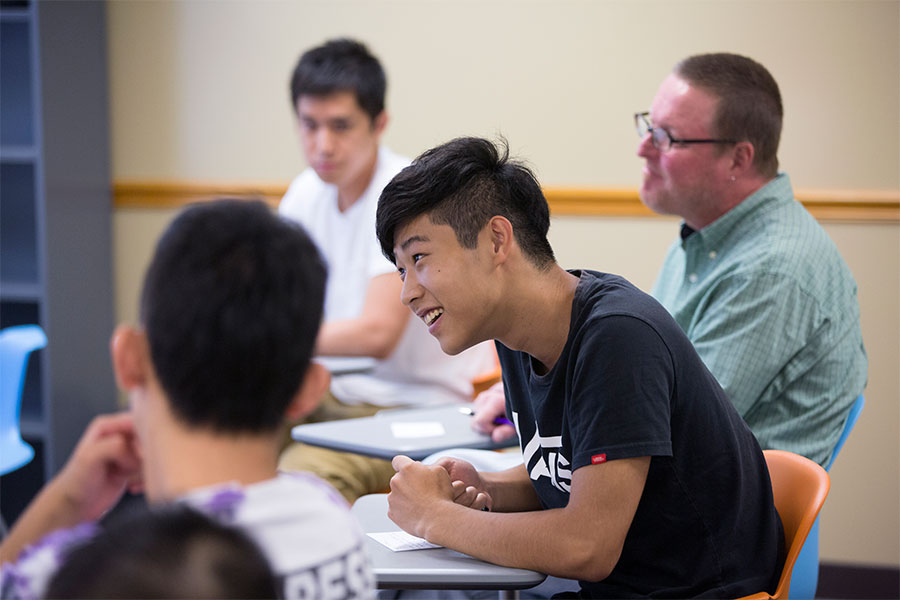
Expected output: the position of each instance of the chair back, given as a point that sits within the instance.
(488, 378)
(800, 487)
(855, 411)
(16, 344)
(806, 569)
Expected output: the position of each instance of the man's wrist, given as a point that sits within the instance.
(437, 520)
(492, 487)
(66, 507)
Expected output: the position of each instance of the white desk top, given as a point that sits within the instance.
(339, 365)
(416, 432)
(439, 568)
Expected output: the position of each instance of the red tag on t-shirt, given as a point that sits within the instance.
(598, 458)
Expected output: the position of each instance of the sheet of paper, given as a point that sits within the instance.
(421, 429)
(400, 541)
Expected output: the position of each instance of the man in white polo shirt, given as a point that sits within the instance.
(379, 356)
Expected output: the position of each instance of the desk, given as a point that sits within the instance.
(342, 365)
(439, 568)
(375, 436)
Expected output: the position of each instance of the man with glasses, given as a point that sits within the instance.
(754, 281)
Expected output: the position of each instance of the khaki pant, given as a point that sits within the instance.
(353, 475)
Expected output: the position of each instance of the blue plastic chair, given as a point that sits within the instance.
(16, 344)
(805, 578)
(855, 410)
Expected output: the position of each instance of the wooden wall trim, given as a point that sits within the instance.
(174, 194)
(825, 205)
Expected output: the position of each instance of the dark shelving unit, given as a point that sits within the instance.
(55, 223)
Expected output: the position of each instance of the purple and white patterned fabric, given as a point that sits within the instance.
(301, 523)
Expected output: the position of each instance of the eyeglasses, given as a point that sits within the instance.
(661, 139)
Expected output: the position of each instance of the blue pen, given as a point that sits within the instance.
(498, 421)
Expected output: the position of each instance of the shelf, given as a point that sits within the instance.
(17, 91)
(32, 428)
(55, 261)
(20, 291)
(18, 153)
(18, 223)
(14, 15)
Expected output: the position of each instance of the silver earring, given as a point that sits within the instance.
(732, 179)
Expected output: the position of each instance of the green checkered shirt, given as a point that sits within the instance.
(771, 308)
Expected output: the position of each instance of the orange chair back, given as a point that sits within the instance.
(800, 487)
(485, 380)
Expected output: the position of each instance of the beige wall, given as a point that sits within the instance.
(199, 92)
(199, 88)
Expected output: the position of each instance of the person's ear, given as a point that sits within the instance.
(500, 231)
(742, 158)
(130, 355)
(312, 388)
(379, 123)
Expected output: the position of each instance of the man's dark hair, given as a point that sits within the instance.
(172, 552)
(750, 106)
(463, 184)
(232, 303)
(341, 65)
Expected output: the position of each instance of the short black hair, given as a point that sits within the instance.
(341, 65)
(232, 303)
(170, 552)
(464, 183)
(749, 108)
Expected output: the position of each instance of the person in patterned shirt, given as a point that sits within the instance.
(754, 281)
(231, 305)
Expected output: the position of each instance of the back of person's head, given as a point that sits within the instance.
(341, 65)
(173, 552)
(464, 183)
(231, 305)
(750, 106)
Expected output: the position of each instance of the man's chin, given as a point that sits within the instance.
(327, 175)
(451, 349)
(650, 198)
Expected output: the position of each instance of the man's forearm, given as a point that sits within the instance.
(49, 511)
(376, 330)
(545, 540)
(582, 540)
(355, 337)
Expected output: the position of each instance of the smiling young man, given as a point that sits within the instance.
(338, 93)
(754, 281)
(639, 478)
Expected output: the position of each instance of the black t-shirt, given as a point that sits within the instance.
(627, 384)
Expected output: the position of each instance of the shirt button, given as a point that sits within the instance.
(692, 278)
(712, 254)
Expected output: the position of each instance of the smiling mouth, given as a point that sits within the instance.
(432, 315)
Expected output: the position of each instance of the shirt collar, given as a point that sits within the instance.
(777, 189)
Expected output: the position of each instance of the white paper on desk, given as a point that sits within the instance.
(421, 429)
(400, 541)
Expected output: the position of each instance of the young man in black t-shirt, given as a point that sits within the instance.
(639, 478)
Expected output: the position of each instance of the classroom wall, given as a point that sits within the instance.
(199, 93)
